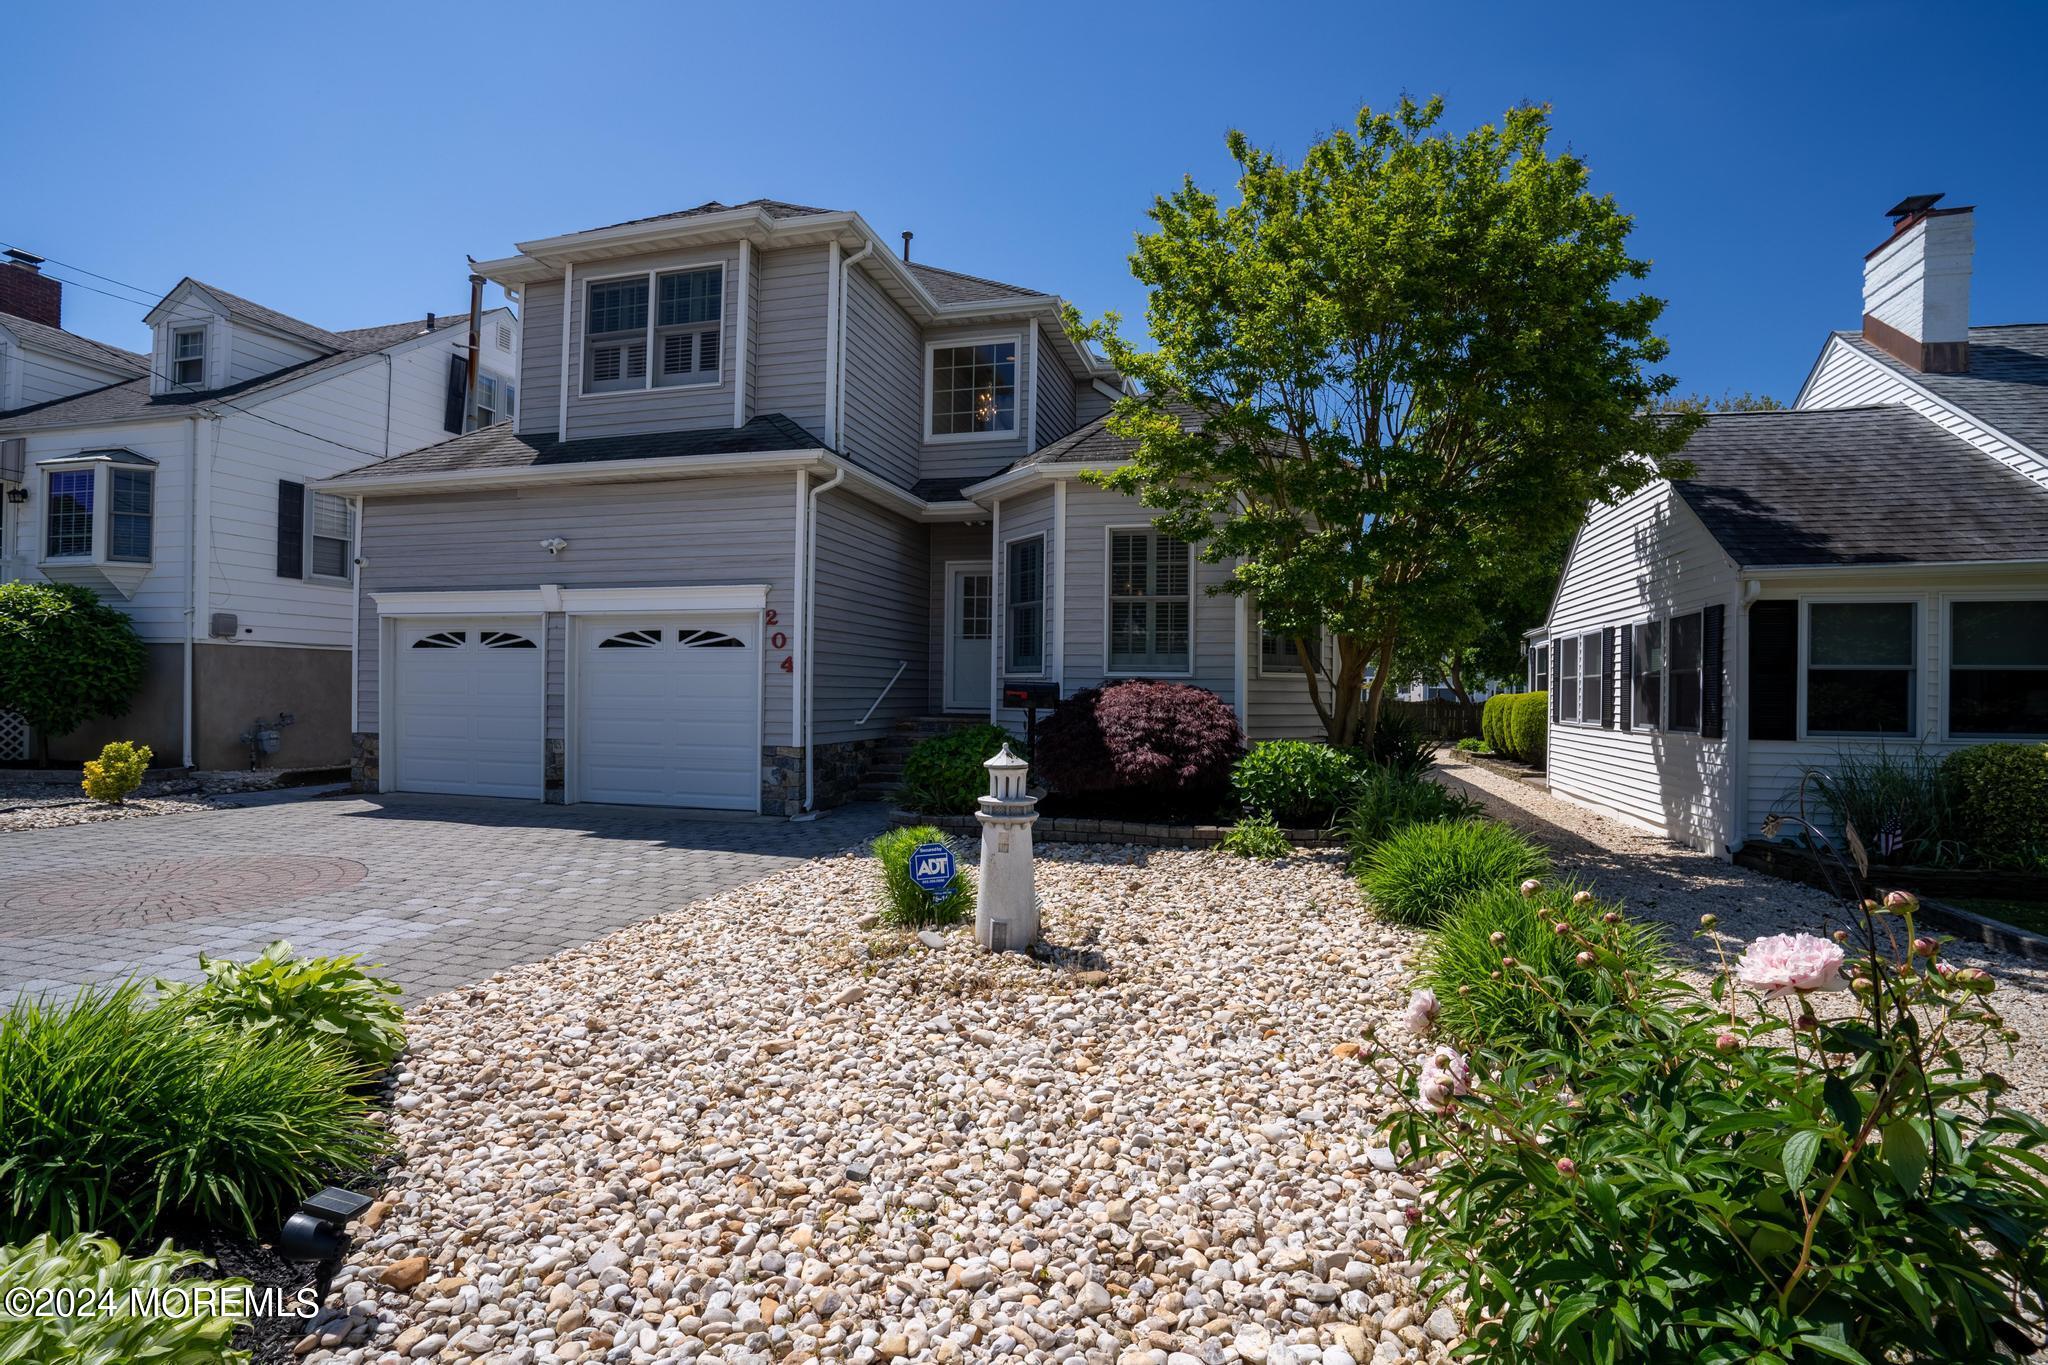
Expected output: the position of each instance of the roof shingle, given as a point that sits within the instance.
(46, 337)
(2006, 385)
(499, 447)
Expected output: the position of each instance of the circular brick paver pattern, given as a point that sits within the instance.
(166, 890)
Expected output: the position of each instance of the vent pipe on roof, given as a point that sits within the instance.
(430, 322)
(907, 235)
(1916, 287)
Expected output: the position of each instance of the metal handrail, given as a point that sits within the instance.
(884, 692)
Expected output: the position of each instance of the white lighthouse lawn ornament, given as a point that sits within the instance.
(1006, 913)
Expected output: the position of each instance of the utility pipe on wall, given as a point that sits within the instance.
(476, 323)
(810, 591)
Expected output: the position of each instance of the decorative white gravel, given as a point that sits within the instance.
(754, 1130)
(39, 803)
(1674, 885)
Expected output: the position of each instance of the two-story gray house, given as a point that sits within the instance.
(771, 489)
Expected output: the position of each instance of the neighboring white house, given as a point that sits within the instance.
(1870, 567)
(174, 485)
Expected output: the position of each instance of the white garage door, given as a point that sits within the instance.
(468, 704)
(668, 711)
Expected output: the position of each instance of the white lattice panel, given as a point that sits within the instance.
(13, 737)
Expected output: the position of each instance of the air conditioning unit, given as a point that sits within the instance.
(225, 625)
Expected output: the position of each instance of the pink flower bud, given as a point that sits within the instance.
(1841, 935)
(1585, 959)
(1808, 1023)
(1900, 900)
(1709, 921)
(1610, 918)
(1508, 962)
(1975, 980)
(1727, 1042)
(1561, 928)
(1924, 947)
(1944, 970)
(1582, 898)
(1567, 1168)
(1497, 938)
(1531, 887)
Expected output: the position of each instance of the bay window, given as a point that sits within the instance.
(68, 528)
(1859, 668)
(1151, 602)
(971, 390)
(100, 510)
(1998, 669)
(1024, 606)
(131, 514)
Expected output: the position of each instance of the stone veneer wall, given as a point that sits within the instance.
(837, 770)
(362, 764)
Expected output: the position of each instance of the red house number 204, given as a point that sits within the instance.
(780, 641)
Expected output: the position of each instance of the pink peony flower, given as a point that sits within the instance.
(1566, 1167)
(1727, 1042)
(1420, 1016)
(1791, 962)
(1531, 887)
(1445, 1075)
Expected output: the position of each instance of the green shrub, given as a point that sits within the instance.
(117, 772)
(138, 1120)
(1461, 963)
(1471, 746)
(1696, 1181)
(1399, 742)
(1493, 716)
(943, 775)
(1871, 789)
(1388, 801)
(328, 999)
(1298, 782)
(1999, 802)
(65, 656)
(1419, 874)
(89, 1274)
(1528, 724)
(1257, 836)
(904, 902)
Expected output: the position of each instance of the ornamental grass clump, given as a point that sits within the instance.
(75, 1300)
(1385, 801)
(1732, 1175)
(1421, 873)
(140, 1120)
(1483, 1005)
(908, 905)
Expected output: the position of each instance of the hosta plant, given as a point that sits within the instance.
(80, 1301)
(329, 999)
(1752, 1174)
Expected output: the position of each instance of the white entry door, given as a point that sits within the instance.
(970, 635)
(668, 711)
(466, 707)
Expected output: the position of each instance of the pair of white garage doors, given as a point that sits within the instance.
(658, 709)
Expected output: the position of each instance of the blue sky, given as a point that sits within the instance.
(336, 162)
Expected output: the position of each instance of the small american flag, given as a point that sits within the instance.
(1890, 838)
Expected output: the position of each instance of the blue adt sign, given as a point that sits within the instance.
(931, 867)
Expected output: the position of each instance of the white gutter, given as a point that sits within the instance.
(193, 577)
(810, 590)
(838, 438)
(999, 585)
(1002, 485)
(739, 336)
(833, 280)
(562, 411)
(355, 630)
(797, 523)
(583, 471)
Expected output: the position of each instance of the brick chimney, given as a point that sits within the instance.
(27, 292)
(1916, 287)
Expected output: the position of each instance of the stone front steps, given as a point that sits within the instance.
(885, 774)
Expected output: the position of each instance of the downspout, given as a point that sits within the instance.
(355, 628)
(192, 579)
(839, 388)
(568, 294)
(1735, 664)
(810, 590)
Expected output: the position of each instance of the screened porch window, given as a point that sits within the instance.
(1151, 603)
(1024, 606)
(1998, 669)
(1859, 668)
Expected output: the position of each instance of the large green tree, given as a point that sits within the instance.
(1382, 377)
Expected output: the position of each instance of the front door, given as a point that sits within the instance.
(970, 634)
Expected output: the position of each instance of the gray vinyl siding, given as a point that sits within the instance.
(1648, 556)
(872, 566)
(1091, 511)
(976, 459)
(951, 542)
(789, 335)
(1279, 705)
(1054, 394)
(753, 335)
(540, 357)
(680, 407)
(884, 401)
(1089, 403)
(1023, 517)
(696, 532)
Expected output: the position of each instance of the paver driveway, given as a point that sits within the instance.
(442, 890)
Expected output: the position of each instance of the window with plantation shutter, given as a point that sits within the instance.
(1024, 606)
(690, 305)
(1151, 603)
(615, 335)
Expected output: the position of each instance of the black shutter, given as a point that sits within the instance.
(458, 390)
(1556, 692)
(1607, 677)
(1774, 669)
(1628, 677)
(1713, 687)
(291, 529)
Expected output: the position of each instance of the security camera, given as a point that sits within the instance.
(554, 545)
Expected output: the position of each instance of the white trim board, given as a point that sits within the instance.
(722, 597)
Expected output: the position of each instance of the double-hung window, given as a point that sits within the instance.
(332, 526)
(1860, 678)
(1151, 602)
(486, 401)
(68, 525)
(131, 514)
(1646, 670)
(188, 357)
(101, 510)
(689, 306)
(971, 390)
(1024, 606)
(1539, 675)
(1568, 678)
(615, 335)
(1282, 653)
(1683, 665)
(1998, 669)
(1592, 678)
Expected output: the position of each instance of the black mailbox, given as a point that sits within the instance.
(1026, 695)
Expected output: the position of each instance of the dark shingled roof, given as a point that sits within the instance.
(774, 208)
(239, 307)
(499, 447)
(49, 338)
(2006, 386)
(1877, 485)
(950, 286)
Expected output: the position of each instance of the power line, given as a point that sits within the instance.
(152, 296)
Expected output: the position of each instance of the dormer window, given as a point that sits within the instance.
(971, 390)
(188, 357)
(629, 346)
